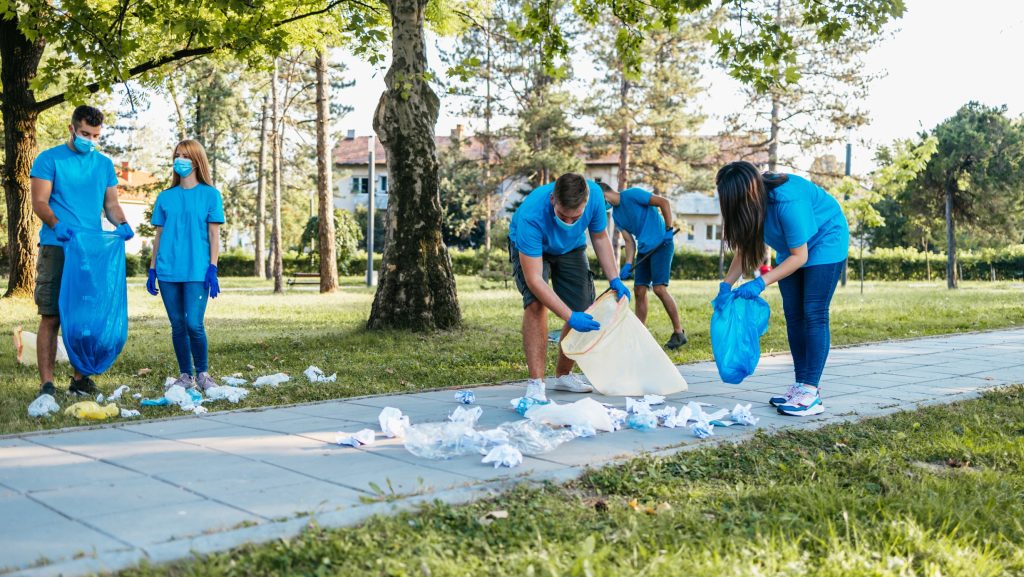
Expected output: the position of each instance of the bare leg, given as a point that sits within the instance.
(641, 303)
(46, 346)
(535, 338)
(670, 306)
(565, 364)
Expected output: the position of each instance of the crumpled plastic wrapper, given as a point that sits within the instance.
(466, 417)
(233, 381)
(465, 397)
(226, 392)
(702, 429)
(583, 412)
(92, 410)
(116, 395)
(271, 380)
(315, 375)
(643, 421)
(583, 430)
(43, 406)
(392, 422)
(618, 417)
(653, 400)
(524, 404)
(741, 414)
(679, 419)
(130, 414)
(187, 399)
(357, 439)
(504, 456)
(534, 438)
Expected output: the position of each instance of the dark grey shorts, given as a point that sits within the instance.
(49, 270)
(569, 274)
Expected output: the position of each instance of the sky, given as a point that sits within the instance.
(942, 54)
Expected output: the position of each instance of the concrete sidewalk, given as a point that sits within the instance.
(106, 498)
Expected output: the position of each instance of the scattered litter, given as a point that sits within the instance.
(702, 429)
(130, 414)
(445, 440)
(524, 404)
(740, 415)
(583, 412)
(137, 396)
(504, 456)
(25, 345)
(357, 439)
(584, 430)
(233, 381)
(43, 406)
(467, 417)
(315, 375)
(100, 398)
(642, 421)
(187, 399)
(679, 419)
(618, 417)
(533, 438)
(226, 392)
(92, 410)
(492, 516)
(161, 402)
(250, 367)
(465, 397)
(271, 380)
(653, 400)
(637, 406)
(116, 395)
(169, 381)
(392, 422)
(143, 372)
(664, 414)
(200, 410)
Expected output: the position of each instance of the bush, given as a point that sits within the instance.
(132, 266)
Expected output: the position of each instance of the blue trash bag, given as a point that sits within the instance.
(736, 328)
(93, 300)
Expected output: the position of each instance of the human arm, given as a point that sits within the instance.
(112, 207)
(533, 274)
(213, 228)
(627, 268)
(665, 206)
(603, 248)
(151, 273)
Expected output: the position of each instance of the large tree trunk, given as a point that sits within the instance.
(261, 203)
(417, 288)
(325, 219)
(277, 141)
(625, 137)
(951, 280)
(20, 58)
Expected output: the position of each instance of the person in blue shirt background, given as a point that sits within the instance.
(187, 218)
(809, 233)
(645, 220)
(547, 240)
(73, 186)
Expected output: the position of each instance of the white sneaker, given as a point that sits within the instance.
(535, 390)
(805, 403)
(793, 390)
(571, 383)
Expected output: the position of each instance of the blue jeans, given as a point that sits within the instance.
(186, 306)
(806, 295)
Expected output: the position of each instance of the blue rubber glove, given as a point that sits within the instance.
(583, 323)
(124, 230)
(211, 283)
(620, 289)
(63, 232)
(151, 282)
(669, 235)
(724, 288)
(750, 290)
(627, 271)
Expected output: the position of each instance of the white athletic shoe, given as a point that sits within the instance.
(535, 390)
(792, 391)
(804, 404)
(571, 383)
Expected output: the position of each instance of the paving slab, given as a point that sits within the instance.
(74, 502)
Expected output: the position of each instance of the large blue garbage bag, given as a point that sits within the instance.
(736, 328)
(93, 300)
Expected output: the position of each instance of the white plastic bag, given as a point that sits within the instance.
(315, 375)
(392, 422)
(357, 439)
(504, 456)
(25, 345)
(271, 380)
(43, 406)
(226, 392)
(585, 412)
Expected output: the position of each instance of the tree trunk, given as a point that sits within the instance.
(624, 143)
(488, 192)
(277, 141)
(417, 288)
(261, 203)
(951, 280)
(20, 58)
(927, 260)
(325, 215)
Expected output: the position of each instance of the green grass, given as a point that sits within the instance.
(933, 492)
(247, 325)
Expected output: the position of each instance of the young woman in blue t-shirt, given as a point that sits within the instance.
(187, 218)
(808, 231)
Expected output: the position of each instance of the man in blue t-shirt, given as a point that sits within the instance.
(547, 239)
(72, 187)
(645, 220)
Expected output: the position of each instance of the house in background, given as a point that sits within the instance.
(135, 190)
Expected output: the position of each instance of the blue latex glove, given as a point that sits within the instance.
(669, 234)
(211, 283)
(583, 323)
(63, 232)
(750, 290)
(627, 271)
(724, 288)
(620, 289)
(151, 282)
(124, 230)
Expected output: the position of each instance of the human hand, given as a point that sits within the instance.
(750, 289)
(151, 282)
(63, 232)
(124, 230)
(583, 322)
(626, 271)
(211, 283)
(620, 289)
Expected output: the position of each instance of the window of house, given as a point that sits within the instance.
(690, 232)
(709, 233)
(360, 184)
(382, 185)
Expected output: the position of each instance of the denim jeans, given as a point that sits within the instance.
(186, 306)
(806, 295)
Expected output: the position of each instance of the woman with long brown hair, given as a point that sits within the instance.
(808, 231)
(187, 218)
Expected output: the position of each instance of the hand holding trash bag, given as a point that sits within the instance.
(151, 282)
(626, 272)
(62, 231)
(750, 290)
(583, 323)
(620, 289)
(211, 283)
(124, 230)
(737, 325)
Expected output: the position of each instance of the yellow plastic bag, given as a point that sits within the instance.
(92, 410)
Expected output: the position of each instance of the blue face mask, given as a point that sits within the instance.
(183, 166)
(84, 145)
(561, 223)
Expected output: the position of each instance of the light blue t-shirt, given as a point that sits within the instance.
(799, 212)
(80, 182)
(534, 231)
(636, 216)
(184, 251)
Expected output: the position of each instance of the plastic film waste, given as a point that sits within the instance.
(92, 410)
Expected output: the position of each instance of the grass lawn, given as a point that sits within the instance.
(254, 332)
(933, 492)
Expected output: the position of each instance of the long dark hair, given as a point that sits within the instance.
(743, 198)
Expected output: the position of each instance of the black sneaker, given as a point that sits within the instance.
(47, 388)
(677, 340)
(83, 388)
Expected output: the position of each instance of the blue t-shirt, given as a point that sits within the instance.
(636, 216)
(80, 183)
(534, 231)
(184, 251)
(800, 212)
